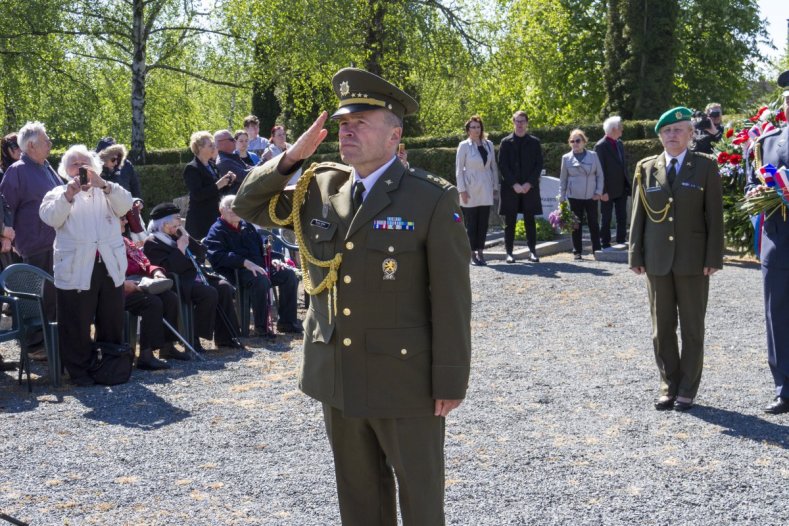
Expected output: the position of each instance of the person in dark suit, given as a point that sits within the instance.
(676, 238)
(172, 248)
(773, 148)
(611, 153)
(387, 344)
(205, 185)
(520, 164)
(228, 160)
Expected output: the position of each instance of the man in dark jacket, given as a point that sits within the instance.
(228, 160)
(520, 163)
(616, 186)
(234, 245)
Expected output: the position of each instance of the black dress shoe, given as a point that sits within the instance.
(8, 366)
(481, 262)
(779, 406)
(474, 261)
(152, 364)
(292, 328)
(664, 403)
(682, 406)
(169, 352)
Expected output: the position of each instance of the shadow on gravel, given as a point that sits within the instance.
(744, 426)
(742, 263)
(549, 269)
(130, 405)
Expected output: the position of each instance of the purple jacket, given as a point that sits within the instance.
(24, 185)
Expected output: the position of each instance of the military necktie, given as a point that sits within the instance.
(357, 197)
(672, 172)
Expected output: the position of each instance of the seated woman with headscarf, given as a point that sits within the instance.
(151, 308)
(170, 247)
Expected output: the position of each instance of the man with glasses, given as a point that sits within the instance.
(676, 239)
(520, 164)
(229, 161)
(24, 186)
(708, 129)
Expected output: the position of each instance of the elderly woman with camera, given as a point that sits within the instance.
(89, 258)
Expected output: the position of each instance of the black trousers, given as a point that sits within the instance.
(370, 452)
(509, 232)
(476, 219)
(585, 208)
(606, 208)
(224, 294)
(77, 310)
(152, 309)
(259, 287)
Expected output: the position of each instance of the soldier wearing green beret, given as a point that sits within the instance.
(387, 335)
(676, 238)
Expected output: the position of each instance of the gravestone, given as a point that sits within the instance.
(549, 192)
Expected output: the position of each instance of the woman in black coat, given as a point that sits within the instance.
(520, 164)
(204, 184)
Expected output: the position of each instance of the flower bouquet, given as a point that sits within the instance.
(563, 219)
(773, 196)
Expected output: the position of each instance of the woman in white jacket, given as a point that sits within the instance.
(477, 177)
(581, 181)
(89, 259)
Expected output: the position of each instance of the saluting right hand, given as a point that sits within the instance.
(306, 145)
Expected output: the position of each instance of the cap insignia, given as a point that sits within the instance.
(345, 88)
(678, 114)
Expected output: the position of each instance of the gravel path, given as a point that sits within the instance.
(558, 427)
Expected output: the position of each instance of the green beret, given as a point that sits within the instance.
(678, 114)
(360, 90)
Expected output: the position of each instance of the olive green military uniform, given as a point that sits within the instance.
(675, 246)
(399, 338)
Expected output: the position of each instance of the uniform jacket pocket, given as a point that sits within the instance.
(399, 365)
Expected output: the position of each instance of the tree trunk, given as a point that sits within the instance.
(139, 73)
(374, 40)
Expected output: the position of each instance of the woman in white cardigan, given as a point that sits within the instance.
(477, 177)
(89, 259)
(581, 181)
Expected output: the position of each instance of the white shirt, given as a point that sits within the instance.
(370, 180)
(680, 158)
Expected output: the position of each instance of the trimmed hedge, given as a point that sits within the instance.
(160, 183)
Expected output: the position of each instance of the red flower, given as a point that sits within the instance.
(742, 137)
(758, 114)
(723, 157)
(735, 159)
(780, 116)
(729, 132)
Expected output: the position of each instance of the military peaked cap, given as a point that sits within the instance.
(360, 90)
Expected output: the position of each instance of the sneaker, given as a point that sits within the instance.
(510, 258)
(533, 257)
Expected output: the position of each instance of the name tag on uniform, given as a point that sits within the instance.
(654, 188)
(320, 224)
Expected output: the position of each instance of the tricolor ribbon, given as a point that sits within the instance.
(768, 174)
(781, 177)
(758, 229)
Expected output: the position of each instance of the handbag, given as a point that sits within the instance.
(152, 285)
(112, 363)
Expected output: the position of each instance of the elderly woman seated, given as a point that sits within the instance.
(152, 308)
(170, 247)
(234, 244)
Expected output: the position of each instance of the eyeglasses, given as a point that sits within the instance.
(521, 121)
(473, 127)
(574, 141)
(231, 139)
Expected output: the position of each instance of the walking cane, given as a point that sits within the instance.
(182, 339)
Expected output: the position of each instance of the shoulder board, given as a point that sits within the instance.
(333, 166)
(647, 159)
(438, 181)
(703, 155)
(770, 133)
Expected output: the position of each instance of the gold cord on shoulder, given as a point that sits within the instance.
(330, 281)
(656, 216)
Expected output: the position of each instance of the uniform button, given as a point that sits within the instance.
(349, 245)
(347, 342)
(403, 351)
(670, 199)
(316, 236)
(347, 279)
(671, 238)
(391, 249)
(671, 219)
(346, 311)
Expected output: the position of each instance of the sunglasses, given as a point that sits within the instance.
(13, 145)
(574, 141)
(115, 160)
(231, 139)
(715, 114)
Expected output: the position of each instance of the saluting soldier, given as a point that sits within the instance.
(387, 334)
(676, 238)
(773, 148)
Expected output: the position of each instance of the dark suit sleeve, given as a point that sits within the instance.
(201, 189)
(169, 258)
(600, 150)
(533, 177)
(448, 253)
(713, 215)
(635, 252)
(220, 253)
(505, 164)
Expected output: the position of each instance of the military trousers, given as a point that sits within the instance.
(776, 315)
(684, 297)
(370, 452)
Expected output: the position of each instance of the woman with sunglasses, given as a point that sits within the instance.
(581, 182)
